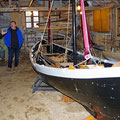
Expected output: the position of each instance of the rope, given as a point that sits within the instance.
(47, 19)
(93, 60)
(86, 61)
(81, 63)
(65, 58)
(46, 23)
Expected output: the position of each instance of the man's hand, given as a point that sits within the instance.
(3, 33)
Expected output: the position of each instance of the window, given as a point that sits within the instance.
(32, 19)
(28, 19)
(35, 19)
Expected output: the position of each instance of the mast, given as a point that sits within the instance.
(74, 32)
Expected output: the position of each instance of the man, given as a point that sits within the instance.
(2, 34)
(13, 40)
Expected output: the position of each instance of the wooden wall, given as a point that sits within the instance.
(4, 20)
(102, 20)
(19, 18)
(99, 23)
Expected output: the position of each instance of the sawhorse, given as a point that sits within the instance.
(38, 87)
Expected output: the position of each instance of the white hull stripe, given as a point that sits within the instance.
(110, 72)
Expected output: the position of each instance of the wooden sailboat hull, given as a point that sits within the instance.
(100, 96)
(97, 88)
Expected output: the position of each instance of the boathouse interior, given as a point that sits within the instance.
(54, 19)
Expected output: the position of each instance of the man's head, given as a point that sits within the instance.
(13, 25)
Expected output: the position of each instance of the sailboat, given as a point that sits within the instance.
(95, 86)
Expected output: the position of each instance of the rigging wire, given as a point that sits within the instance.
(81, 63)
(47, 19)
(67, 38)
(42, 36)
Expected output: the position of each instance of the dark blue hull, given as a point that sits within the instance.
(101, 97)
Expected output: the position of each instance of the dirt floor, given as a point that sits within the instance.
(17, 102)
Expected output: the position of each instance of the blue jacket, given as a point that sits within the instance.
(7, 38)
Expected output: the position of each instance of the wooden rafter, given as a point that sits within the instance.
(42, 9)
(114, 3)
(103, 4)
(98, 2)
(31, 2)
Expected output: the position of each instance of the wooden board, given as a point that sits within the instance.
(97, 20)
(56, 27)
(102, 20)
(111, 55)
(106, 20)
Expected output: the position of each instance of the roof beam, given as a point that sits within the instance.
(42, 9)
(104, 4)
(31, 2)
(98, 2)
(45, 9)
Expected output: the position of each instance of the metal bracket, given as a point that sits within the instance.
(37, 86)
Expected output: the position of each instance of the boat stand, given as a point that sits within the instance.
(37, 86)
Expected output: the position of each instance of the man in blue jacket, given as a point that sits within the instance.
(13, 40)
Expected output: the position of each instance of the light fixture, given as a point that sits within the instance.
(81, 13)
(78, 7)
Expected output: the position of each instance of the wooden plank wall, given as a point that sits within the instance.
(102, 20)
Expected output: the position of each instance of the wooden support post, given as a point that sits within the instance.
(44, 3)
(9, 2)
